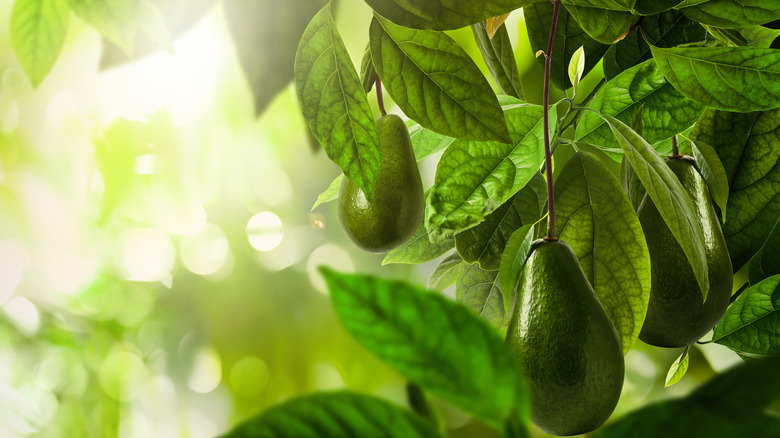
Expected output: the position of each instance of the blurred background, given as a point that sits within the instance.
(157, 248)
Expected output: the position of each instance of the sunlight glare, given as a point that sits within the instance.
(265, 231)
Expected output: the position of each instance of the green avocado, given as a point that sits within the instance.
(397, 210)
(676, 314)
(569, 349)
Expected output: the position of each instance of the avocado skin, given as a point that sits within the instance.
(676, 315)
(570, 351)
(397, 210)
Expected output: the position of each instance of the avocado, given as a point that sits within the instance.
(569, 349)
(397, 209)
(677, 315)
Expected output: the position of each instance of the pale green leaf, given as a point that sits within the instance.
(419, 249)
(446, 272)
(678, 369)
(38, 29)
(577, 67)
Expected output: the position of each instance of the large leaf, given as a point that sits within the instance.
(603, 25)
(652, 7)
(516, 253)
(766, 262)
(276, 26)
(479, 290)
(668, 29)
(335, 414)
(755, 36)
(665, 113)
(500, 58)
(752, 323)
(569, 36)
(725, 78)
(618, 5)
(485, 242)
(731, 405)
(668, 195)
(334, 104)
(442, 14)
(435, 82)
(434, 342)
(475, 178)
(733, 13)
(121, 21)
(594, 216)
(38, 29)
(748, 146)
(419, 249)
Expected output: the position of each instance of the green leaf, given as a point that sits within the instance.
(713, 172)
(731, 404)
(478, 290)
(330, 194)
(499, 57)
(725, 78)
(652, 7)
(516, 253)
(334, 103)
(419, 249)
(766, 262)
(678, 369)
(446, 272)
(569, 37)
(475, 178)
(335, 414)
(576, 67)
(631, 184)
(748, 146)
(38, 29)
(253, 24)
(733, 13)
(367, 71)
(442, 14)
(435, 82)
(603, 25)
(666, 112)
(755, 36)
(617, 5)
(667, 29)
(752, 323)
(668, 195)
(485, 242)
(596, 219)
(433, 342)
(120, 21)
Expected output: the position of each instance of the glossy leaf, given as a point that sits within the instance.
(766, 262)
(713, 172)
(596, 219)
(335, 414)
(725, 78)
(485, 243)
(755, 36)
(120, 21)
(334, 103)
(419, 249)
(475, 178)
(668, 195)
(603, 25)
(733, 13)
(433, 342)
(516, 253)
(678, 369)
(748, 146)
(38, 29)
(499, 56)
(752, 323)
(446, 272)
(478, 290)
(665, 113)
(569, 37)
(435, 82)
(442, 14)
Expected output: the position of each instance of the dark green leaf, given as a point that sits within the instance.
(603, 25)
(755, 36)
(335, 414)
(666, 112)
(733, 13)
(725, 78)
(499, 57)
(569, 36)
(442, 14)
(419, 249)
(748, 146)
(334, 103)
(594, 216)
(678, 369)
(38, 29)
(433, 342)
(766, 262)
(516, 253)
(478, 290)
(713, 172)
(446, 272)
(663, 30)
(618, 5)
(435, 82)
(652, 7)
(475, 178)
(752, 323)
(120, 21)
(367, 72)
(631, 184)
(668, 195)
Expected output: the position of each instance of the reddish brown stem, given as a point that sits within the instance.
(545, 103)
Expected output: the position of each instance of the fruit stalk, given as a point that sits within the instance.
(675, 147)
(379, 98)
(545, 102)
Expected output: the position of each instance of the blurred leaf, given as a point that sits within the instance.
(265, 34)
(766, 262)
(733, 13)
(330, 194)
(335, 414)
(752, 323)
(713, 172)
(334, 103)
(446, 272)
(435, 82)
(516, 253)
(433, 342)
(499, 57)
(419, 249)
(367, 72)
(442, 14)
(478, 290)
(121, 21)
(603, 25)
(38, 29)
(678, 369)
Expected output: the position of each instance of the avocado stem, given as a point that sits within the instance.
(379, 96)
(545, 105)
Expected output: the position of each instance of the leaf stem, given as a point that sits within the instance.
(379, 96)
(545, 102)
